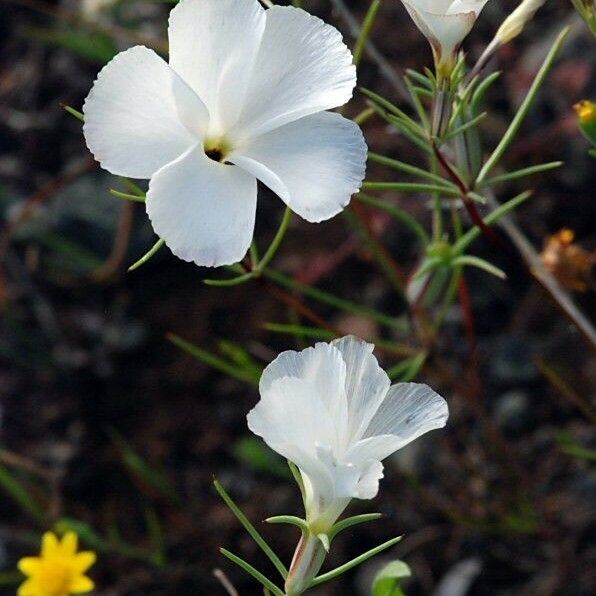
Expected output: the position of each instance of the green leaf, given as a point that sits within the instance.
(478, 263)
(409, 169)
(301, 331)
(522, 173)
(150, 475)
(332, 300)
(126, 196)
(387, 581)
(490, 219)
(21, 494)
(325, 577)
(148, 255)
(413, 187)
(251, 530)
(289, 519)
(78, 115)
(266, 583)
(481, 90)
(349, 522)
(523, 110)
(228, 368)
(94, 46)
(408, 369)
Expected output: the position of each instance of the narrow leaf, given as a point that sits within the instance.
(267, 583)
(325, 577)
(352, 521)
(522, 173)
(251, 530)
(472, 261)
(289, 519)
(245, 375)
(523, 110)
(126, 196)
(148, 256)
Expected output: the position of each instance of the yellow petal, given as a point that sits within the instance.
(49, 544)
(27, 589)
(81, 584)
(29, 565)
(69, 543)
(83, 561)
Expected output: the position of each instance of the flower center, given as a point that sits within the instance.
(217, 149)
(55, 578)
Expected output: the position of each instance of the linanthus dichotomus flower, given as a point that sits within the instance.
(244, 97)
(332, 411)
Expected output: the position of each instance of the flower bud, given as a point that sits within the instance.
(586, 112)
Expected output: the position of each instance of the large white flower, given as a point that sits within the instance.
(332, 411)
(445, 23)
(243, 98)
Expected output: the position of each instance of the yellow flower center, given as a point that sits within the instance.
(217, 149)
(586, 110)
(54, 577)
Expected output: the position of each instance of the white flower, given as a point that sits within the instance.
(445, 23)
(243, 98)
(333, 412)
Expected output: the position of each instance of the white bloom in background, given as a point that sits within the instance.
(243, 98)
(445, 23)
(333, 412)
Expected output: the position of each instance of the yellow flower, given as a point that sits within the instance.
(586, 110)
(59, 570)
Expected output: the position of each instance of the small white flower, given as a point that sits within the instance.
(445, 23)
(333, 412)
(243, 98)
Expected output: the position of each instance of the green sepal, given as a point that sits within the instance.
(289, 519)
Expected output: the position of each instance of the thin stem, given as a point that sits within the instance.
(154, 249)
(367, 25)
(260, 267)
(281, 232)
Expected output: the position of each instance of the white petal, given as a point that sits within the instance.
(445, 25)
(323, 367)
(136, 112)
(293, 420)
(366, 382)
(368, 483)
(204, 210)
(408, 411)
(302, 67)
(314, 164)
(213, 47)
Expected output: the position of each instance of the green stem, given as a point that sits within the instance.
(259, 269)
(365, 31)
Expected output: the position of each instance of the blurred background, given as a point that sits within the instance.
(110, 426)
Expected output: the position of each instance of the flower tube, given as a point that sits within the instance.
(445, 23)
